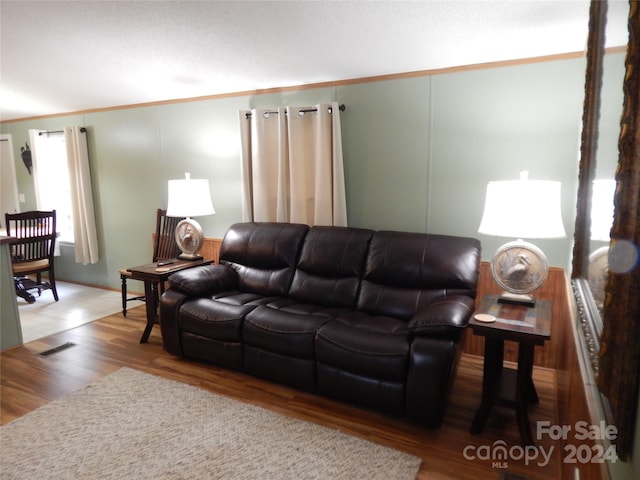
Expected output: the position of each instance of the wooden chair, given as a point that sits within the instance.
(32, 254)
(164, 248)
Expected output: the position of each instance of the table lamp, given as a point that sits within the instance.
(521, 209)
(189, 198)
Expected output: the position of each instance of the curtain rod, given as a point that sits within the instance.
(342, 108)
(48, 132)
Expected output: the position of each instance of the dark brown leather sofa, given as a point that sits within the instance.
(371, 318)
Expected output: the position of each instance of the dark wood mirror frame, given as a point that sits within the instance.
(612, 344)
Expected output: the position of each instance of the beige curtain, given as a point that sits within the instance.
(62, 181)
(84, 222)
(292, 165)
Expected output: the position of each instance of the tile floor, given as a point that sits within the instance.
(77, 305)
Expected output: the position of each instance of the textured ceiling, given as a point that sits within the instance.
(70, 56)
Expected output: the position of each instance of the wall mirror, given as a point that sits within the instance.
(608, 314)
(598, 161)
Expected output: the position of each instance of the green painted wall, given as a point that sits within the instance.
(492, 124)
(385, 137)
(418, 153)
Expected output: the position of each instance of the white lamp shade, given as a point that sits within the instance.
(523, 209)
(189, 198)
(602, 209)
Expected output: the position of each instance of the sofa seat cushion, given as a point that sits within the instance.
(374, 347)
(283, 332)
(213, 319)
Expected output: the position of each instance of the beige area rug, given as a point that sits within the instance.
(132, 425)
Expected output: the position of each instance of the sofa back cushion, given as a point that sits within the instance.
(407, 271)
(264, 255)
(331, 265)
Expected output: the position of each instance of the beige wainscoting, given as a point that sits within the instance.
(211, 249)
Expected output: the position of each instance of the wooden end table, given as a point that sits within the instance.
(152, 275)
(528, 326)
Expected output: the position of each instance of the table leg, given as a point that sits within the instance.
(151, 301)
(123, 293)
(492, 372)
(525, 391)
(533, 394)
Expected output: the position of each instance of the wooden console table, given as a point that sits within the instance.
(506, 386)
(152, 274)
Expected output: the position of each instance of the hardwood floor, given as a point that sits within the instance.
(29, 380)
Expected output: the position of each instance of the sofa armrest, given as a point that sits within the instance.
(205, 280)
(445, 316)
(170, 303)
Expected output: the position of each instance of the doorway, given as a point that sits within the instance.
(8, 183)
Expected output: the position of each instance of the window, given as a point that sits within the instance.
(51, 180)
